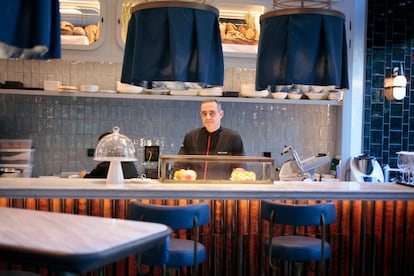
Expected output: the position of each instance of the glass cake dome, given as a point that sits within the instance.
(115, 146)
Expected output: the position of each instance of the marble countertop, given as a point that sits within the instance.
(55, 187)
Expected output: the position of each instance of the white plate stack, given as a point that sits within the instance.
(335, 95)
(184, 92)
(90, 88)
(157, 91)
(211, 92)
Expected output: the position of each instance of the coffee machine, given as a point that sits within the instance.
(365, 168)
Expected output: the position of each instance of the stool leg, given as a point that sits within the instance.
(297, 268)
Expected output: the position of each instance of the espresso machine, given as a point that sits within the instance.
(365, 168)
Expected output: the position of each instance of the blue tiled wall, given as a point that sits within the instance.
(388, 125)
(64, 127)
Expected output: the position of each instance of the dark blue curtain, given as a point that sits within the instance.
(302, 49)
(32, 26)
(173, 44)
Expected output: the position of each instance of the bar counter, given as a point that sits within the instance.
(373, 234)
(55, 187)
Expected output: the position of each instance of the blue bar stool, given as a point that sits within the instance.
(179, 252)
(295, 248)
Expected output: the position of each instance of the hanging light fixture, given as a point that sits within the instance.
(396, 85)
(301, 44)
(173, 41)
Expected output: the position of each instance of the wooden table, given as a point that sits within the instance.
(72, 243)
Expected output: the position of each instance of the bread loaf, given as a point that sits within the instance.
(91, 32)
(78, 31)
(250, 34)
(230, 27)
(66, 28)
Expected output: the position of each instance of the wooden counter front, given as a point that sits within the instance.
(373, 234)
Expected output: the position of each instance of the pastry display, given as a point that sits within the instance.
(240, 174)
(183, 174)
(244, 32)
(90, 32)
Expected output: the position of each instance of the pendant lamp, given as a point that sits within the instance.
(173, 41)
(302, 46)
(30, 29)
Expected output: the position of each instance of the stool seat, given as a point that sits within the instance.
(298, 248)
(177, 252)
(299, 244)
(182, 253)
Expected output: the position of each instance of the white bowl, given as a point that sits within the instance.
(317, 96)
(261, 94)
(279, 95)
(89, 88)
(295, 96)
(247, 89)
(255, 94)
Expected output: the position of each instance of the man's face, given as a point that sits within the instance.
(211, 116)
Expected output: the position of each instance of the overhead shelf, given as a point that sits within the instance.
(142, 96)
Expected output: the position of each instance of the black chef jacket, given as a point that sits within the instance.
(223, 141)
(101, 170)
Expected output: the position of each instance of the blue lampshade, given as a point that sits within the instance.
(302, 46)
(173, 41)
(30, 29)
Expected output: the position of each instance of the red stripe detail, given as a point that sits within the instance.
(207, 151)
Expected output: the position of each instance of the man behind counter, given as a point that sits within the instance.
(212, 139)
